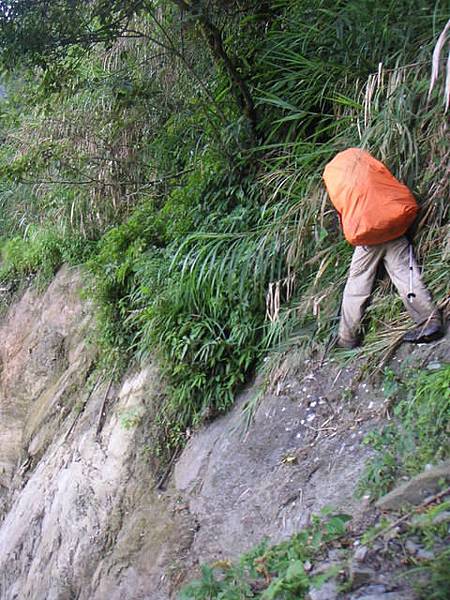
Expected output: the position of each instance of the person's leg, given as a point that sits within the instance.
(358, 288)
(420, 305)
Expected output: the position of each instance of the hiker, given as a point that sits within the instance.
(375, 211)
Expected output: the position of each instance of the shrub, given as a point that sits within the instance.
(418, 435)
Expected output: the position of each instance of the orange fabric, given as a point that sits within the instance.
(373, 205)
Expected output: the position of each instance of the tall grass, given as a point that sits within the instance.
(213, 251)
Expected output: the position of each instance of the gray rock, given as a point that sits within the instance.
(336, 554)
(434, 366)
(383, 596)
(327, 591)
(411, 547)
(423, 554)
(360, 575)
(368, 591)
(442, 517)
(361, 553)
(417, 489)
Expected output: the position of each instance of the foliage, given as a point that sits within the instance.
(418, 434)
(39, 32)
(151, 293)
(437, 573)
(40, 254)
(209, 237)
(430, 578)
(270, 572)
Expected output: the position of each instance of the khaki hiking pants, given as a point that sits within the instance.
(363, 270)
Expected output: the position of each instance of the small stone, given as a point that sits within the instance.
(327, 591)
(423, 554)
(411, 547)
(360, 575)
(442, 517)
(361, 553)
(434, 366)
(307, 566)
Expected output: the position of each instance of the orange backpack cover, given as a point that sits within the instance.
(373, 205)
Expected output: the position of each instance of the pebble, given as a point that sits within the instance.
(434, 366)
(327, 591)
(411, 547)
(423, 554)
(442, 517)
(361, 553)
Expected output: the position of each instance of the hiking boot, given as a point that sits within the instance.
(424, 334)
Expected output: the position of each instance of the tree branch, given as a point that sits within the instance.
(213, 37)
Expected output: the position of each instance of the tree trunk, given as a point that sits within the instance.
(213, 37)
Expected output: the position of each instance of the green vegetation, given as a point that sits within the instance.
(272, 572)
(175, 149)
(436, 573)
(425, 528)
(41, 251)
(417, 435)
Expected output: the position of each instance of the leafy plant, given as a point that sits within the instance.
(40, 253)
(418, 434)
(271, 572)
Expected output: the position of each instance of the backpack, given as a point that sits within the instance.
(374, 207)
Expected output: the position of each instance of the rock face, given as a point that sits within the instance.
(79, 513)
(79, 517)
(416, 490)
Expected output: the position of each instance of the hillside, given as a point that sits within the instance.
(171, 276)
(84, 515)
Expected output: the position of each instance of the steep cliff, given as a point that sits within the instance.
(79, 517)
